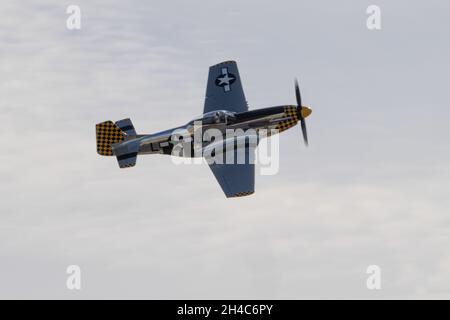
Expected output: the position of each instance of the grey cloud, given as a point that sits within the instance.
(371, 188)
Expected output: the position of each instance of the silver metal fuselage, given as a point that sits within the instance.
(267, 118)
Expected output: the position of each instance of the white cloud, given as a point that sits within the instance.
(371, 189)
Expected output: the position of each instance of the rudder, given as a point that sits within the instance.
(107, 133)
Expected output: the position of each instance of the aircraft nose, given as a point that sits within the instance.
(305, 111)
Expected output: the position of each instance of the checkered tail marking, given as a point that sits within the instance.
(107, 133)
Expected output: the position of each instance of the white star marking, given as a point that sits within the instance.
(225, 79)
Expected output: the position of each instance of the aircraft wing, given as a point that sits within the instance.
(236, 180)
(224, 89)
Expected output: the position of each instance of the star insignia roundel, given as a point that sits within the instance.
(225, 79)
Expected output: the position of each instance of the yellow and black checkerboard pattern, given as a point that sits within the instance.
(243, 194)
(107, 133)
(291, 112)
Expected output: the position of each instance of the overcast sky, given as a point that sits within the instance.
(372, 188)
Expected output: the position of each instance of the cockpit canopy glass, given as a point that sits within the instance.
(216, 117)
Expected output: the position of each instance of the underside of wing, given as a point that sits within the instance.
(224, 89)
(236, 179)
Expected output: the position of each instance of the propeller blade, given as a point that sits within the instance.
(299, 112)
(297, 94)
(305, 134)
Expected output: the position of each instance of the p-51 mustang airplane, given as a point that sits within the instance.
(225, 108)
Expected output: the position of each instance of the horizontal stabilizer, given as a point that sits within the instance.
(127, 160)
(126, 126)
(126, 153)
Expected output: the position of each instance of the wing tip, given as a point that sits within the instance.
(223, 62)
(241, 194)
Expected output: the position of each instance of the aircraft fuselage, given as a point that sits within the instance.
(273, 119)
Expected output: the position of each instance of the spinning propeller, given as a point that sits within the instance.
(302, 112)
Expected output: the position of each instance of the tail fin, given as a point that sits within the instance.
(107, 133)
